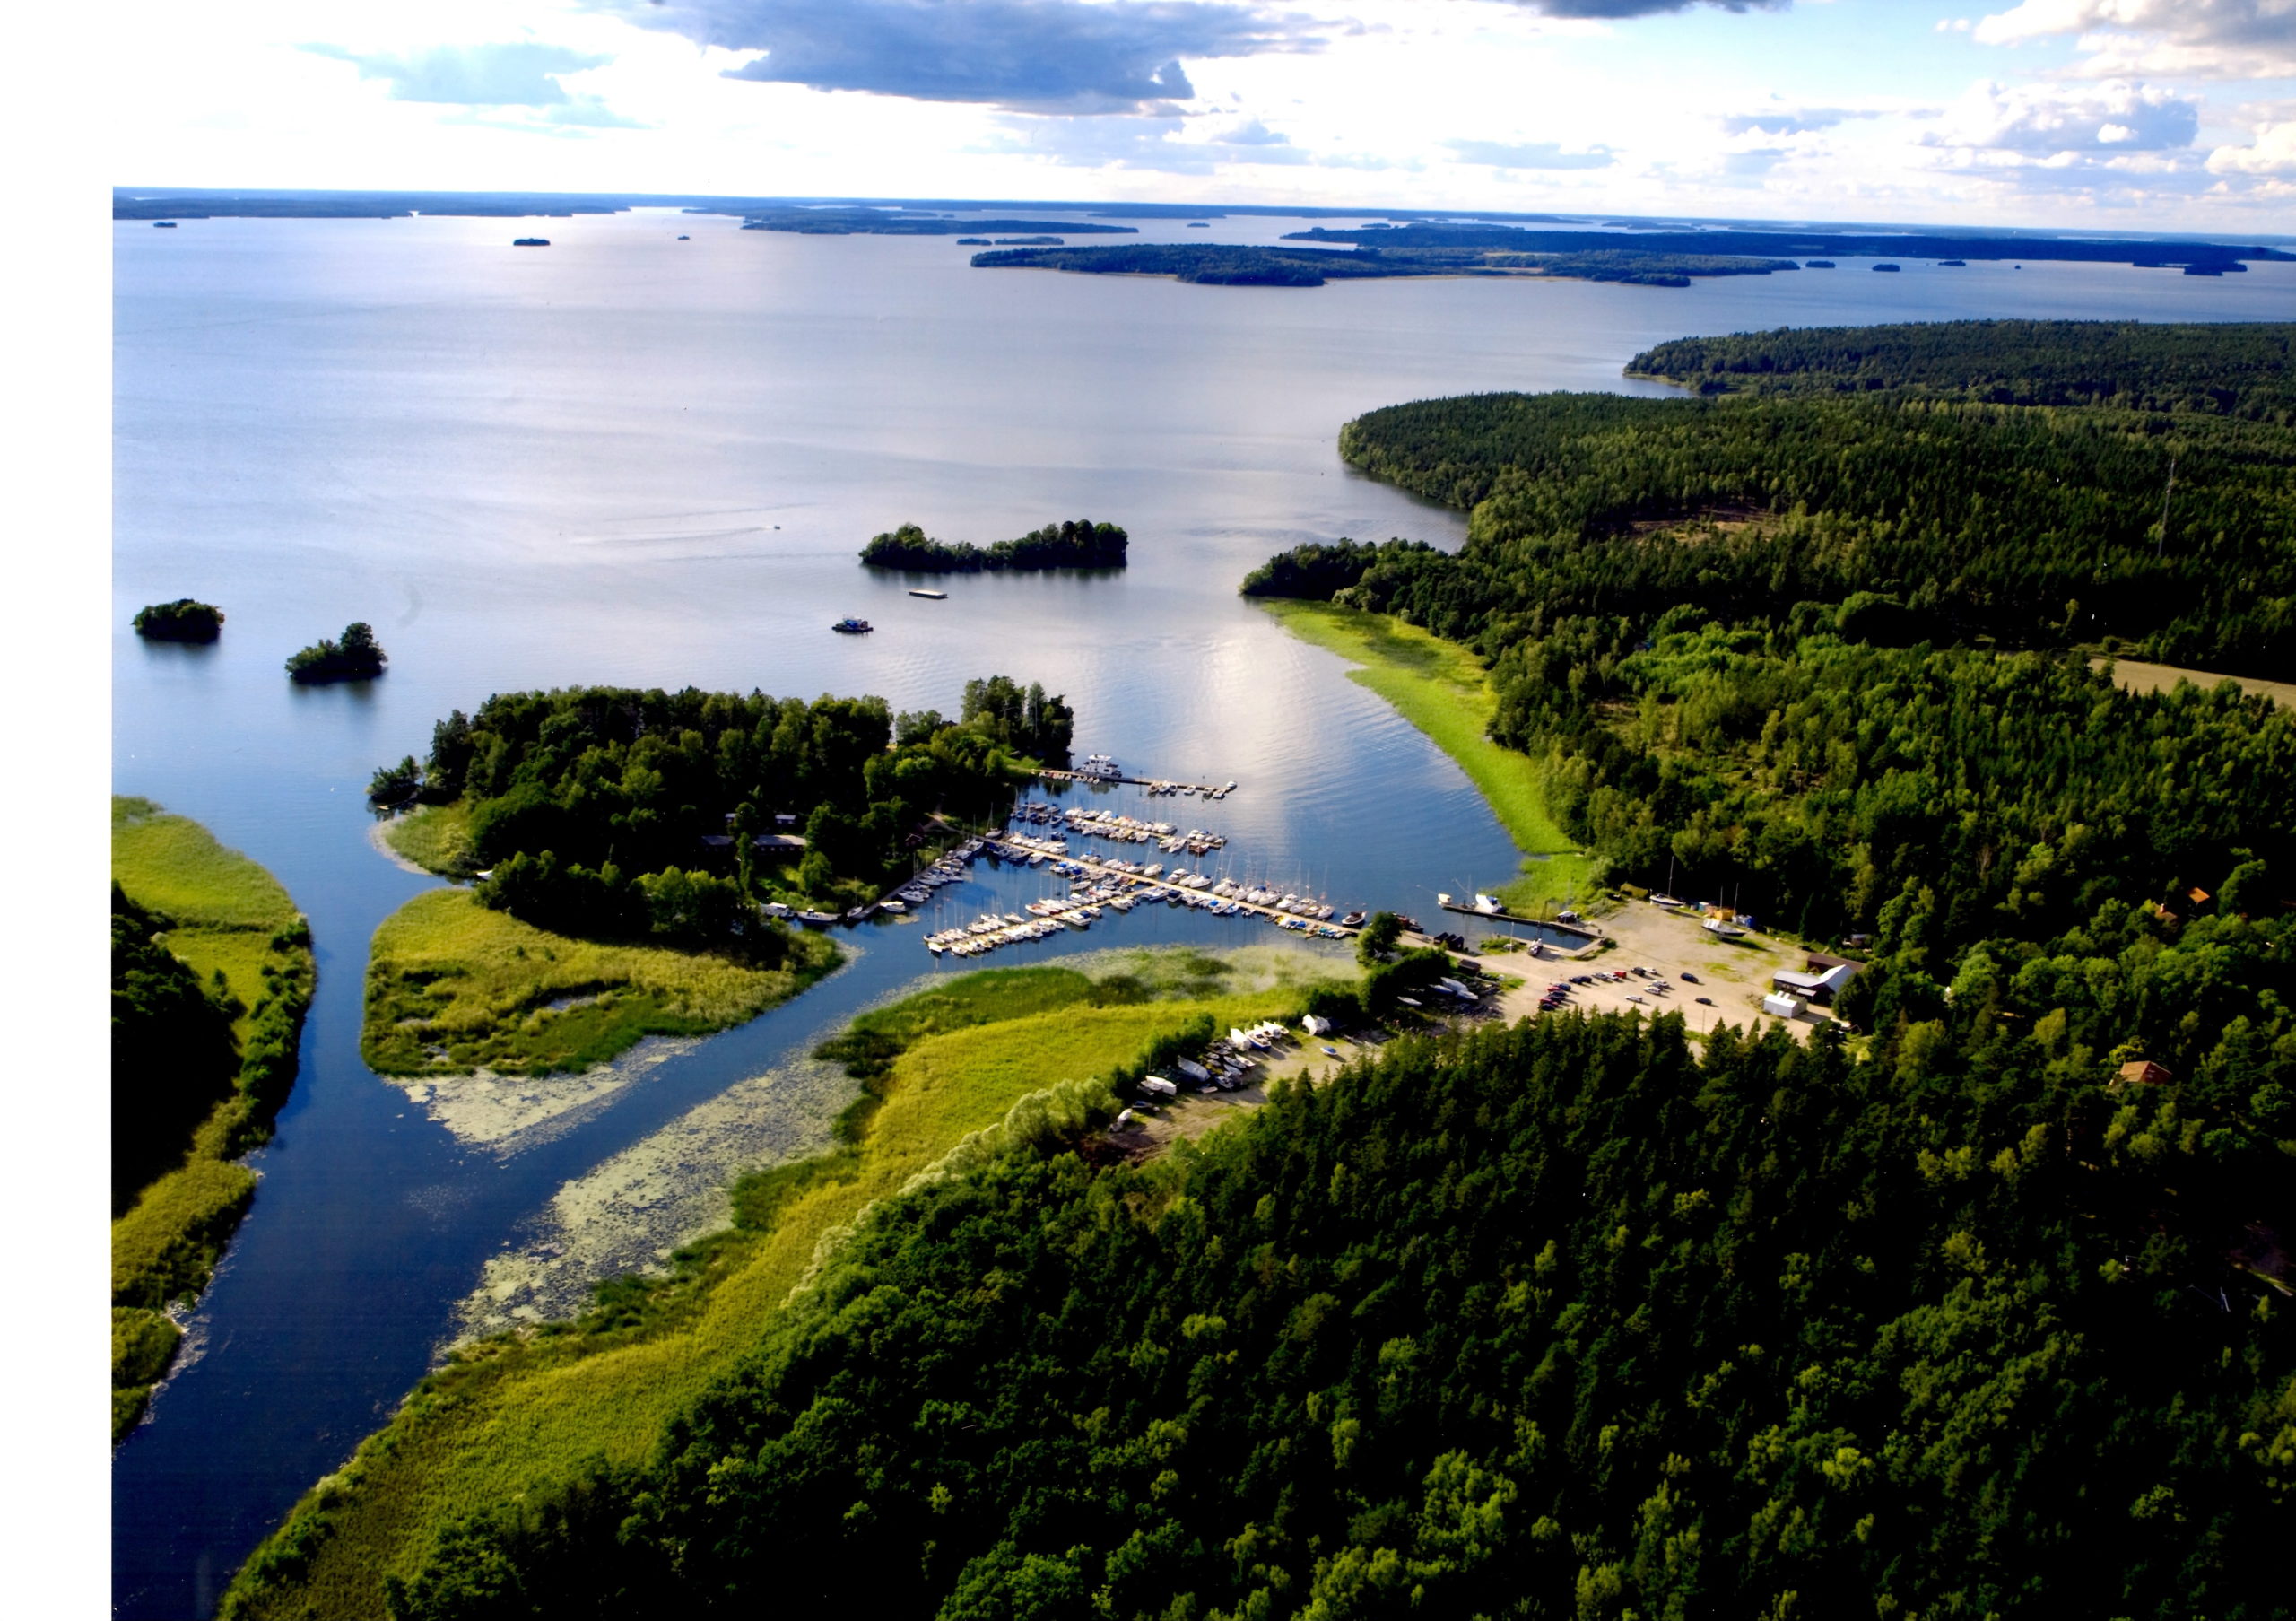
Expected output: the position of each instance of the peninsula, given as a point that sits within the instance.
(634, 875)
(211, 972)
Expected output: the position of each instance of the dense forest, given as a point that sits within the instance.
(358, 657)
(613, 812)
(182, 620)
(2234, 370)
(1078, 543)
(1563, 1320)
(173, 1055)
(1824, 654)
(2022, 526)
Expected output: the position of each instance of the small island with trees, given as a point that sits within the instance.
(1077, 543)
(358, 657)
(182, 620)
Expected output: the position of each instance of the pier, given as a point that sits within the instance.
(1154, 785)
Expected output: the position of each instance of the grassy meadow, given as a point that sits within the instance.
(435, 838)
(228, 916)
(1440, 688)
(453, 986)
(514, 1411)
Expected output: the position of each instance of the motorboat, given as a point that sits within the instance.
(931, 595)
(850, 626)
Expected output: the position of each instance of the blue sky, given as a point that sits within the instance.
(2123, 114)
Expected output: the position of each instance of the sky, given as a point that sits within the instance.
(2123, 114)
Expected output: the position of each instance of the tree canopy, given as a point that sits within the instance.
(614, 811)
(182, 620)
(1557, 1320)
(1078, 543)
(358, 657)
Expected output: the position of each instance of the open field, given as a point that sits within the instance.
(228, 916)
(516, 1410)
(172, 865)
(1440, 688)
(2140, 677)
(453, 986)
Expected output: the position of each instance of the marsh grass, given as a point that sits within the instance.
(436, 838)
(228, 917)
(1441, 688)
(511, 1412)
(172, 865)
(453, 986)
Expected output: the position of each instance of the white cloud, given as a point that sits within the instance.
(2041, 119)
(1791, 121)
(2161, 39)
(520, 74)
(2273, 153)
(1531, 154)
(1158, 143)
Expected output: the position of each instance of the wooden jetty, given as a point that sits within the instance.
(1161, 785)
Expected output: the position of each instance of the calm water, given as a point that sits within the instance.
(630, 459)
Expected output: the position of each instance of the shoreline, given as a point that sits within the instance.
(378, 835)
(1442, 690)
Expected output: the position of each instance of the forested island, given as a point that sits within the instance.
(358, 657)
(1074, 543)
(1208, 264)
(182, 620)
(211, 973)
(907, 222)
(1421, 235)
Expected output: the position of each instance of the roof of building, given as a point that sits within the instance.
(1830, 980)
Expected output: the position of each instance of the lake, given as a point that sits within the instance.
(631, 459)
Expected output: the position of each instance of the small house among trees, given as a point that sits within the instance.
(2142, 1072)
